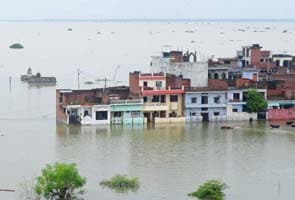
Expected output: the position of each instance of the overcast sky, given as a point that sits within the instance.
(101, 9)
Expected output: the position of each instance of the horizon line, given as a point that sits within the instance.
(152, 20)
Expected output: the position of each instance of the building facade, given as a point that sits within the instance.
(87, 107)
(162, 95)
(205, 105)
(127, 112)
(182, 64)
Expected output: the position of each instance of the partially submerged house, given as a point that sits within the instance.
(97, 106)
(206, 104)
(162, 95)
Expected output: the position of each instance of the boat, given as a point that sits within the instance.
(226, 127)
(289, 122)
(275, 126)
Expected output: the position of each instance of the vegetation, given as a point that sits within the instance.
(26, 190)
(255, 102)
(16, 46)
(121, 183)
(211, 190)
(60, 181)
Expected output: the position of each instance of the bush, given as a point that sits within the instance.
(121, 183)
(60, 181)
(211, 190)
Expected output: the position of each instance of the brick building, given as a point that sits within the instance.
(87, 106)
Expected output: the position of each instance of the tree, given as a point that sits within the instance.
(211, 190)
(60, 181)
(255, 102)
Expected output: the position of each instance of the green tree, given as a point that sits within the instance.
(255, 101)
(60, 181)
(211, 190)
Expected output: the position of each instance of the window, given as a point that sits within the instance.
(204, 99)
(262, 94)
(173, 114)
(193, 114)
(173, 98)
(101, 115)
(117, 114)
(162, 114)
(163, 98)
(194, 100)
(98, 100)
(156, 99)
(158, 84)
(236, 96)
(145, 84)
(216, 113)
(217, 99)
(86, 113)
(145, 99)
(235, 110)
(204, 109)
(60, 98)
(135, 114)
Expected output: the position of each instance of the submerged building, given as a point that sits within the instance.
(206, 104)
(98, 107)
(162, 95)
(37, 79)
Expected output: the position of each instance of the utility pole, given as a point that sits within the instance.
(10, 84)
(78, 79)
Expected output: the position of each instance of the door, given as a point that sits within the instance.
(205, 117)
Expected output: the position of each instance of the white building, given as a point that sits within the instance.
(175, 62)
(282, 60)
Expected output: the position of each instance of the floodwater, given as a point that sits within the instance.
(170, 161)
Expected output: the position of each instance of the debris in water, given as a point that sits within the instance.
(89, 82)
(285, 31)
(70, 29)
(242, 30)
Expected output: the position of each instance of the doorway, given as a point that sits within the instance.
(205, 117)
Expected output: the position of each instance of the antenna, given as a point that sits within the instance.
(104, 80)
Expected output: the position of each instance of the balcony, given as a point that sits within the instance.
(162, 91)
(126, 101)
(154, 106)
(211, 105)
(236, 101)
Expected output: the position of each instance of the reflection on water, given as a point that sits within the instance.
(172, 160)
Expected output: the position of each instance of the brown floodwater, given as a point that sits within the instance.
(170, 160)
